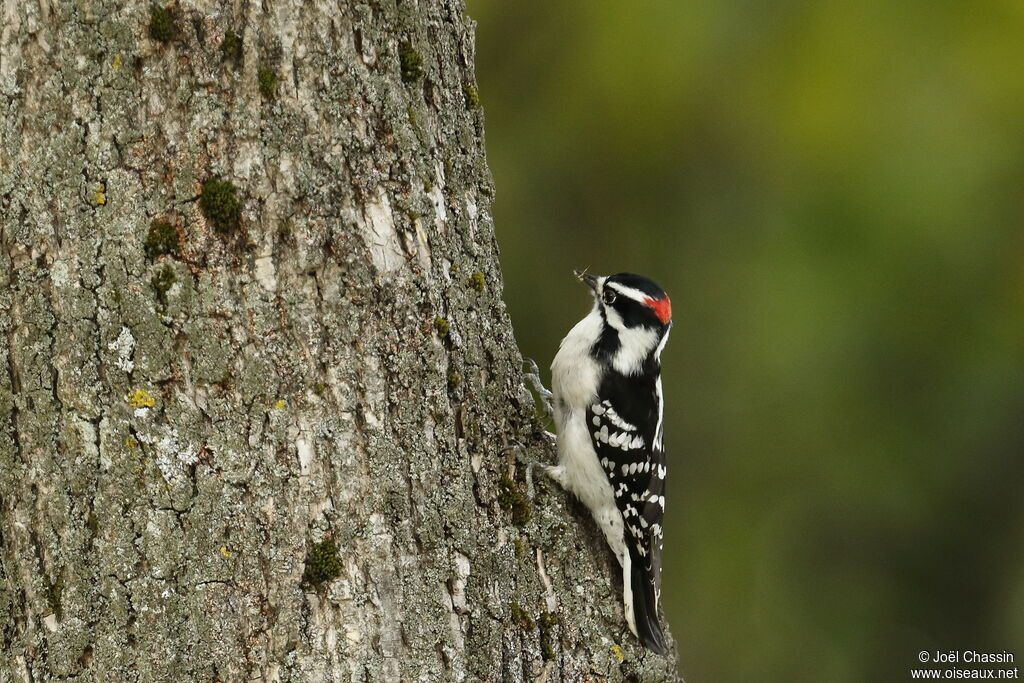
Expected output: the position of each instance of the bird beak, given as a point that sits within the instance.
(584, 276)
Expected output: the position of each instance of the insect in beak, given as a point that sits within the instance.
(584, 276)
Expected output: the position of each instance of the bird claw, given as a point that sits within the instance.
(523, 458)
(553, 472)
(532, 375)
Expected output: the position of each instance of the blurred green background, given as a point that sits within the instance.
(833, 195)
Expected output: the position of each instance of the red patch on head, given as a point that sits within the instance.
(661, 307)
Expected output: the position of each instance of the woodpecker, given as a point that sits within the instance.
(609, 414)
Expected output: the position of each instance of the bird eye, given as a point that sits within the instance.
(609, 296)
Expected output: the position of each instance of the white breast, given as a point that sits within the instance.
(575, 376)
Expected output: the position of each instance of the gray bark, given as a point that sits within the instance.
(182, 425)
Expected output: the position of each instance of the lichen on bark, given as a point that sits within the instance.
(171, 449)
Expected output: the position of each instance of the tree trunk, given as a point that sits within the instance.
(262, 412)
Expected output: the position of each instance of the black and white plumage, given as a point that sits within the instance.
(606, 381)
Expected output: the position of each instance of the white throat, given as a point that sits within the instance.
(635, 344)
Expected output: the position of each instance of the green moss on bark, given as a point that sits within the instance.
(547, 623)
(521, 617)
(442, 326)
(322, 563)
(219, 203)
(231, 48)
(454, 380)
(411, 63)
(162, 240)
(512, 499)
(267, 78)
(161, 24)
(54, 593)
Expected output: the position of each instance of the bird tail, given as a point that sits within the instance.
(641, 602)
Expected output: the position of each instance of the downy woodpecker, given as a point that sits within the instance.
(609, 413)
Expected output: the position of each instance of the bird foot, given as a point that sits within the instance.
(532, 376)
(553, 471)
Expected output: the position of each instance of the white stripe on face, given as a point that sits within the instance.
(628, 292)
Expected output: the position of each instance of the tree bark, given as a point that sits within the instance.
(277, 439)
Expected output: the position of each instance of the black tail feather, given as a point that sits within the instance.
(645, 607)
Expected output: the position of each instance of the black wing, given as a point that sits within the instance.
(625, 428)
